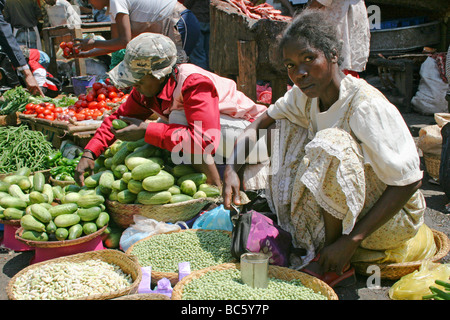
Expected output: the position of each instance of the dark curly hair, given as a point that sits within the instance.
(315, 27)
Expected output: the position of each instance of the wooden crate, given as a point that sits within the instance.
(53, 36)
(10, 119)
(246, 50)
(58, 131)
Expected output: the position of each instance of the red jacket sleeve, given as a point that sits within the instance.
(132, 107)
(201, 106)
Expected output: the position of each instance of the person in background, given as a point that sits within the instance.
(346, 171)
(98, 15)
(200, 54)
(60, 12)
(10, 46)
(45, 80)
(353, 27)
(199, 111)
(23, 15)
(133, 17)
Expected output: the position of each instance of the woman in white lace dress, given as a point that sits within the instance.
(345, 169)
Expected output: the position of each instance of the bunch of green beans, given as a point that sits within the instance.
(22, 147)
(200, 248)
(227, 285)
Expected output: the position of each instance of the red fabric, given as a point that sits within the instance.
(33, 60)
(201, 105)
(353, 73)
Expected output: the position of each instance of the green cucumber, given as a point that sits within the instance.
(89, 214)
(28, 222)
(75, 231)
(34, 235)
(89, 227)
(102, 220)
(198, 178)
(188, 187)
(126, 196)
(13, 214)
(162, 181)
(41, 213)
(161, 197)
(12, 202)
(38, 181)
(61, 234)
(66, 220)
(180, 198)
(65, 208)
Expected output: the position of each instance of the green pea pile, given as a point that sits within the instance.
(227, 285)
(201, 249)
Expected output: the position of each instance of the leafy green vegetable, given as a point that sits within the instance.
(15, 100)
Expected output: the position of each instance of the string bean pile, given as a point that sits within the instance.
(14, 101)
(22, 147)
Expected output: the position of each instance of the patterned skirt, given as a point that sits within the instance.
(328, 173)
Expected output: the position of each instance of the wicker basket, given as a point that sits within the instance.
(432, 164)
(58, 244)
(144, 296)
(274, 272)
(172, 276)
(126, 263)
(394, 271)
(122, 214)
(14, 223)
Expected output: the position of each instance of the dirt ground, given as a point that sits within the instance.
(12, 262)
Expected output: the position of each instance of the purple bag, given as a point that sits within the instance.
(254, 232)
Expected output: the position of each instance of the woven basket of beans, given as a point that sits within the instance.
(223, 282)
(57, 243)
(163, 252)
(143, 296)
(122, 213)
(94, 275)
(394, 271)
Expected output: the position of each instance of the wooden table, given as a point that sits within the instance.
(58, 131)
(53, 36)
(246, 50)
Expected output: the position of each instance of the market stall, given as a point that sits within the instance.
(244, 48)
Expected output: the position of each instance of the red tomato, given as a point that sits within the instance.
(101, 97)
(76, 50)
(28, 112)
(69, 44)
(116, 99)
(39, 109)
(80, 116)
(47, 112)
(82, 97)
(41, 116)
(58, 110)
(90, 97)
(101, 104)
(67, 51)
(97, 86)
(71, 113)
(92, 105)
(84, 104)
(103, 91)
(62, 45)
(111, 88)
(112, 94)
(120, 94)
(50, 117)
(78, 104)
(97, 113)
(30, 106)
(107, 81)
(50, 106)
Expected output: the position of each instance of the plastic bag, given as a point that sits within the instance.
(421, 246)
(215, 219)
(144, 227)
(430, 96)
(417, 284)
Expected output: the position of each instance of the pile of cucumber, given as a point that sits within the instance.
(28, 198)
(137, 172)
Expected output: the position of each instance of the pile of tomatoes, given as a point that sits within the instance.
(68, 49)
(89, 106)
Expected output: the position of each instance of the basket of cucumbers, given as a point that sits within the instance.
(138, 178)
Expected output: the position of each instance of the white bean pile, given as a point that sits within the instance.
(227, 285)
(70, 280)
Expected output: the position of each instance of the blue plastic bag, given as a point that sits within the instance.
(215, 219)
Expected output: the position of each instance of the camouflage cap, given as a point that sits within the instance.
(148, 53)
